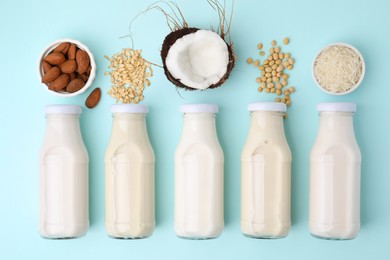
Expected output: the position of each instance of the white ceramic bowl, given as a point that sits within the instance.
(91, 77)
(357, 83)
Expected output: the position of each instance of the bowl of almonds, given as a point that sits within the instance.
(66, 68)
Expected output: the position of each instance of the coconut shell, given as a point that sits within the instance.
(171, 38)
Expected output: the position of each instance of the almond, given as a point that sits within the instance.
(65, 50)
(51, 75)
(83, 77)
(68, 66)
(72, 52)
(55, 58)
(82, 60)
(45, 66)
(60, 83)
(73, 75)
(88, 72)
(61, 47)
(74, 85)
(93, 98)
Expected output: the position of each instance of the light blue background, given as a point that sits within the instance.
(28, 26)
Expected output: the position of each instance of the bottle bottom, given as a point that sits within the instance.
(263, 236)
(324, 237)
(334, 231)
(129, 237)
(127, 231)
(265, 231)
(60, 238)
(56, 231)
(196, 232)
(197, 237)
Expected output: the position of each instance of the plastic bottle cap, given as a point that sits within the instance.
(63, 109)
(336, 107)
(199, 108)
(129, 108)
(267, 106)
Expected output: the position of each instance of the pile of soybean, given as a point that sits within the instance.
(273, 72)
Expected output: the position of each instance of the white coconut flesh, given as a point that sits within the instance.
(198, 60)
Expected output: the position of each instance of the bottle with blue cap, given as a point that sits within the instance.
(266, 174)
(198, 175)
(129, 175)
(63, 175)
(335, 159)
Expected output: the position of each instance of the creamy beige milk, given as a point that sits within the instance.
(63, 175)
(265, 174)
(129, 175)
(334, 198)
(199, 170)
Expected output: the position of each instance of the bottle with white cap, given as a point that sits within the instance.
(334, 198)
(63, 175)
(266, 174)
(198, 175)
(129, 175)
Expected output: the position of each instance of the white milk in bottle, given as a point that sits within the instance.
(63, 175)
(129, 175)
(198, 175)
(266, 174)
(334, 198)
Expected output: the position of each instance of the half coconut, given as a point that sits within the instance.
(196, 59)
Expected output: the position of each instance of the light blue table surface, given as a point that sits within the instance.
(28, 26)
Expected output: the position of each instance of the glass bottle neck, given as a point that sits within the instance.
(129, 125)
(134, 117)
(62, 123)
(266, 121)
(63, 127)
(331, 123)
(199, 125)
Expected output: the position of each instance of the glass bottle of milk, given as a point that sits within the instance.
(334, 198)
(198, 175)
(129, 175)
(63, 175)
(266, 174)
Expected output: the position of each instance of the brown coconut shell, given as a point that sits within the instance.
(171, 38)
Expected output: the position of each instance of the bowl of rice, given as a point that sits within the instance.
(338, 69)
